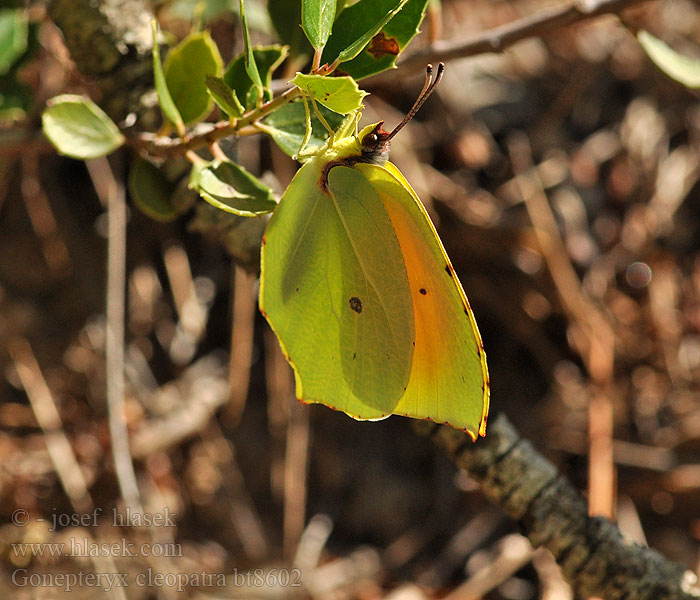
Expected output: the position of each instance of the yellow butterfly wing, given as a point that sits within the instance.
(449, 381)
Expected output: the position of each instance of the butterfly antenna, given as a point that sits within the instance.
(428, 88)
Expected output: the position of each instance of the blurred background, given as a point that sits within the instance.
(563, 177)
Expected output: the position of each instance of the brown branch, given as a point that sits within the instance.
(591, 551)
(498, 39)
(110, 41)
(156, 145)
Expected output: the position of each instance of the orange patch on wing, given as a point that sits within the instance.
(428, 309)
(449, 377)
(381, 45)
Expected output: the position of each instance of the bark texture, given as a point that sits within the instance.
(110, 41)
(591, 551)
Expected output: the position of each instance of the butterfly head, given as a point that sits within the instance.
(375, 145)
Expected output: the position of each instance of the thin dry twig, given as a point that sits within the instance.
(112, 194)
(295, 468)
(244, 517)
(42, 217)
(62, 456)
(596, 339)
(204, 388)
(242, 331)
(514, 552)
(498, 39)
(49, 420)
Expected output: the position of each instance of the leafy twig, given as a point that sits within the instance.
(494, 40)
(165, 146)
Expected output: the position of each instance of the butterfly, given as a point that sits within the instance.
(361, 294)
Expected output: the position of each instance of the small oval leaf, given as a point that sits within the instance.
(385, 47)
(251, 66)
(151, 191)
(287, 127)
(13, 36)
(186, 69)
(231, 188)
(267, 59)
(317, 18)
(681, 68)
(286, 16)
(78, 128)
(357, 25)
(340, 94)
(165, 100)
(224, 97)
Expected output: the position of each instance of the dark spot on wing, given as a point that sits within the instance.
(356, 304)
(297, 289)
(354, 355)
(422, 291)
(381, 45)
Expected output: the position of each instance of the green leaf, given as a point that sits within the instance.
(681, 68)
(340, 6)
(13, 36)
(15, 98)
(250, 64)
(77, 127)
(366, 22)
(287, 127)
(317, 18)
(231, 188)
(340, 94)
(186, 68)
(386, 46)
(357, 25)
(151, 191)
(267, 59)
(224, 97)
(167, 105)
(286, 16)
